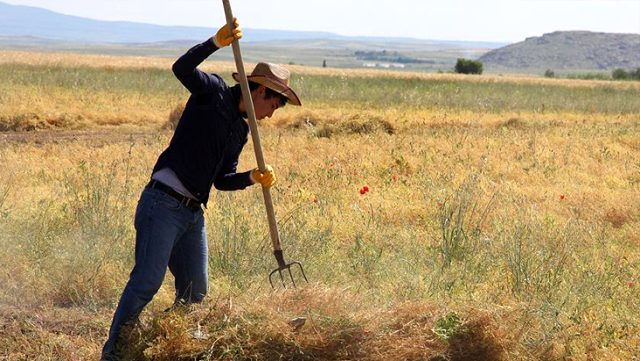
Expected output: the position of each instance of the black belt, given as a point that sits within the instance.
(186, 201)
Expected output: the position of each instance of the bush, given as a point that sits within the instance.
(620, 74)
(467, 66)
(549, 74)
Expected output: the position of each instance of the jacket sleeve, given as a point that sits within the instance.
(227, 178)
(185, 69)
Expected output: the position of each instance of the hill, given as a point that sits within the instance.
(27, 21)
(16, 20)
(568, 50)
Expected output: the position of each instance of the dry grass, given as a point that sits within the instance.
(488, 235)
(71, 59)
(109, 61)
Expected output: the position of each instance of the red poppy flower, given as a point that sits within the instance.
(562, 197)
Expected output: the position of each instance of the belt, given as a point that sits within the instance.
(186, 201)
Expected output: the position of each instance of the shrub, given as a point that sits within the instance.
(467, 66)
(549, 74)
(620, 74)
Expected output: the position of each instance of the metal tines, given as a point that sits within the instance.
(285, 267)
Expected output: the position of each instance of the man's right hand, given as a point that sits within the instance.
(224, 37)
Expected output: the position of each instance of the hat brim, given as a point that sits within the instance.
(274, 85)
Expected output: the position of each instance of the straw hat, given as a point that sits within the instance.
(274, 77)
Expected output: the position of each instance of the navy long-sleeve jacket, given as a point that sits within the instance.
(211, 133)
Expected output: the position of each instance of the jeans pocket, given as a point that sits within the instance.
(168, 202)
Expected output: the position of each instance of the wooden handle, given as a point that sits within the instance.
(253, 126)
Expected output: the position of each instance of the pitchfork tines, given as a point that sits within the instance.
(283, 266)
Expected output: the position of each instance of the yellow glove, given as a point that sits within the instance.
(224, 37)
(266, 179)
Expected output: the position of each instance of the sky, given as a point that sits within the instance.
(465, 20)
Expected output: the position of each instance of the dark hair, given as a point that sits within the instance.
(270, 93)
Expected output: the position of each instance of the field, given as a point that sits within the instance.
(501, 223)
(417, 56)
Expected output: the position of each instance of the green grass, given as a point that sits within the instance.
(384, 92)
(160, 82)
(364, 92)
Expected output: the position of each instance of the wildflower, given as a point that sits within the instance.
(364, 189)
(562, 197)
(631, 284)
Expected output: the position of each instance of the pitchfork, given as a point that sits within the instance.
(253, 126)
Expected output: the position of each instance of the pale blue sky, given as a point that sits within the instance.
(489, 20)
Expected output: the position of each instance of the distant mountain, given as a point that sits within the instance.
(26, 21)
(568, 50)
(17, 20)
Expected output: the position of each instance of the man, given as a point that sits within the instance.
(204, 151)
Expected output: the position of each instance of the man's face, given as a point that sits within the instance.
(264, 107)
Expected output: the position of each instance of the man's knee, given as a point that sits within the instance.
(144, 289)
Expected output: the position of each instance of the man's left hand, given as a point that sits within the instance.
(266, 178)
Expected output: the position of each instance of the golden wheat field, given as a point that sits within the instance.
(501, 221)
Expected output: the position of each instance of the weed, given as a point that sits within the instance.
(447, 326)
(461, 218)
(236, 250)
(365, 258)
(5, 189)
(537, 261)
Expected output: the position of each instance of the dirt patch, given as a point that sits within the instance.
(98, 136)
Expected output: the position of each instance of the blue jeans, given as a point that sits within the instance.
(168, 234)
